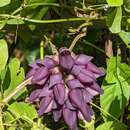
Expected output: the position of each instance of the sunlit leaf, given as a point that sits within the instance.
(112, 126)
(125, 36)
(4, 2)
(114, 20)
(114, 2)
(116, 88)
(24, 111)
(3, 53)
(14, 76)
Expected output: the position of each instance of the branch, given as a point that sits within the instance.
(76, 39)
(49, 21)
(17, 89)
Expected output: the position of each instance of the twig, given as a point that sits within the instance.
(42, 50)
(76, 39)
(49, 21)
(17, 89)
(1, 119)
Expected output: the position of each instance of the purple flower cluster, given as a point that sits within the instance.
(65, 85)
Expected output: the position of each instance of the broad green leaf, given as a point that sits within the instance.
(114, 20)
(125, 36)
(116, 88)
(114, 3)
(24, 111)
(110, 125)
(4, 2)
(3, 53)
(14, 76)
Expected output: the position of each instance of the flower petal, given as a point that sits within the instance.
(40, 74)
(83, 59)
(69, 105)
(93, 88)
(86, 112)
(76, 97)
(74, 83)
(57, 115)
(45, 92)
(59, 93)
(55, 79)
(44, 105)
(30, 73)
(85, 78)
(49, 62)
(93, 68)
(34, 95)
(70, 117)
(65, 59)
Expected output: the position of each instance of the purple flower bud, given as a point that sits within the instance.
(70, 117)
(82, 74)
(94, 89)
(74, 83)
(83, 59)
(48, 62)
(34, 95)
(57, 115)
(45, 91)
(65, 59)
(40, 76)
(79, 97)
(55, 79)
(44, 104)
(69, 105)
(87, 112)
(93, 68)
(59, 93)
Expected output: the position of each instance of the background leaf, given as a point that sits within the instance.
(115, 2)
(23, 110)
(116, 88)
(14, 76)
(125, 36)
(110, 125)
(114, 20)
(3, 53)
(4, 2)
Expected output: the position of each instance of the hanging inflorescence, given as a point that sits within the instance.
(65, 85)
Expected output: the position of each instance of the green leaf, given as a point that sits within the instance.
(114, 20)
(14, 76)
(112, 126)
(24, 111)
(114, 3)
(125, 36)
(116, 88)
(15, 21)
(4, 2)
(3, 53)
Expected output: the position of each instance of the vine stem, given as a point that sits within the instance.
(1, 119)
(17, 89)
(42, 50)
(76, 39)
(49, 21)
(105, 112)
